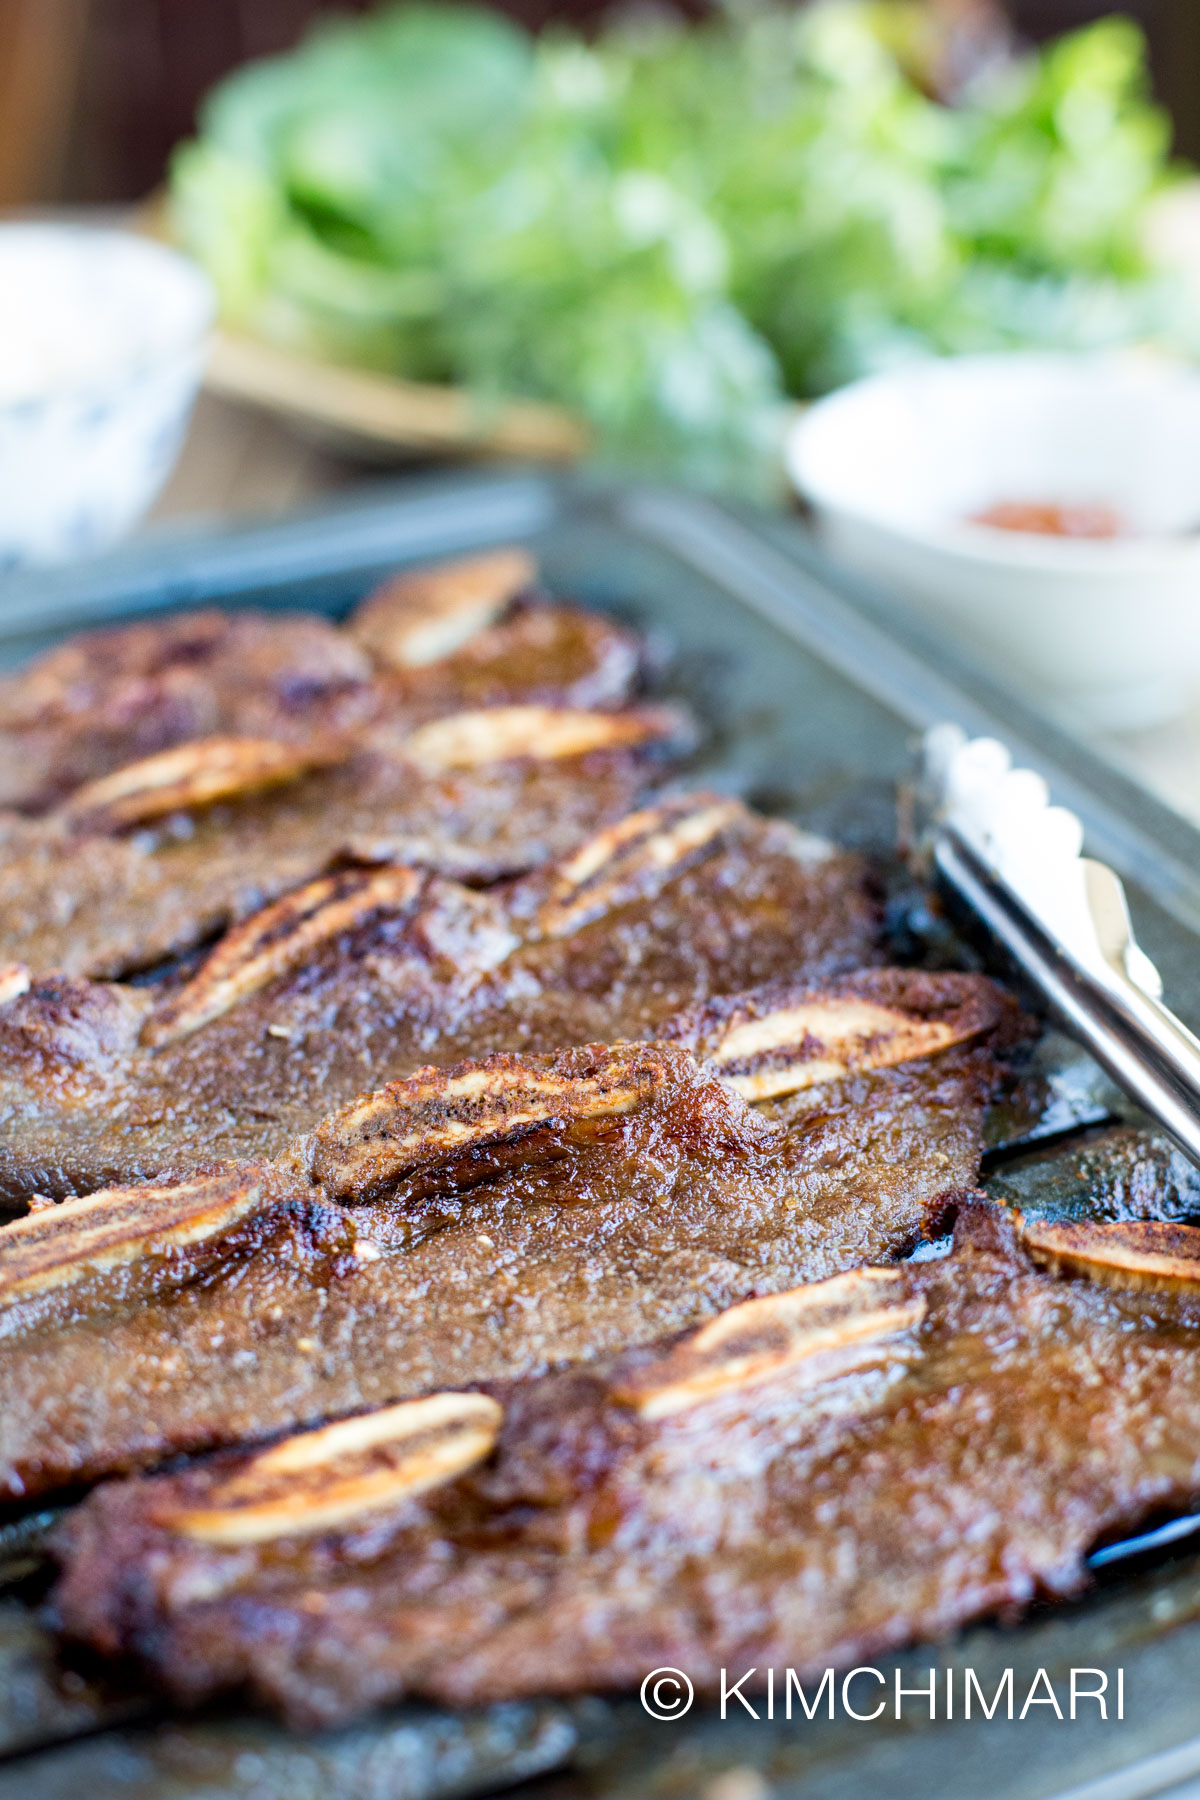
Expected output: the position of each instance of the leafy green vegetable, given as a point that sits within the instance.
(671, 229)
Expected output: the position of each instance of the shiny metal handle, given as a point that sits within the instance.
(1149, 1052)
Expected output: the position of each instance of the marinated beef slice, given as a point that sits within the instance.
(493, 1219)
(463, 634)
(808, 1481)
(151, 860)
(111, 697)
(359, 977)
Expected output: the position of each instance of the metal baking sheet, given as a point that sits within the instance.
(813, 689)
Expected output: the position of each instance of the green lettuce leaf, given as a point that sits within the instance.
(670, 229)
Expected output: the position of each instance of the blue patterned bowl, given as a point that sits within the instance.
(102, 344)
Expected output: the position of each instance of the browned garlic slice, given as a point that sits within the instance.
(438, 1115)
(468, 740)
(118, 1227)
(1126, 1253)
(323, 1480)
(644, 848)
(812, 1334)
(14, 981)
(418, 618)
(279, 938)
(195, 774)
(820, 1040)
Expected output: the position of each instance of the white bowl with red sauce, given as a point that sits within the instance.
(1042, 508)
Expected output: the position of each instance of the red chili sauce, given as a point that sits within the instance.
(1051, 520)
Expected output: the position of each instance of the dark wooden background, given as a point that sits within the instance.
(93, 93)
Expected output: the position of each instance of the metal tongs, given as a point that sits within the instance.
(1017, 862)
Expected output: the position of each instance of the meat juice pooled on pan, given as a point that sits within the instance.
(494, 1218)
(362, 975)
(811, 1479)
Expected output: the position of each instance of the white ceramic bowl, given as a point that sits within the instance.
(1104, 631)
(102, 344)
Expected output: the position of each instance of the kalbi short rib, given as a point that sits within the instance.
(152, 859)
(439, 640)
(492, 1219)
(107, 698)
(459, 635)
(423, 617)
(363, 975)
(808, 1481)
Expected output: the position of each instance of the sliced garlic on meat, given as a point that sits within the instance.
(326, 1479)
(811, 1334)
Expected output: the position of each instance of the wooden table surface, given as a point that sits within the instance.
(239, 462)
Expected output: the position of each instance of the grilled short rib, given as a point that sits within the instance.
(491, 1219)
(152, 859)
(110, 697)
(460, 635)
(811, 1479)
(361, 976)
(470, 633)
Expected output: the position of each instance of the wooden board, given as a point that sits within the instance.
(356, 409)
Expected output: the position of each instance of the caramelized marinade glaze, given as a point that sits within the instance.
(474, 632)
(494, 1218)
(337, 1177)
(359, 977)
(809, 1480)
(167, 778)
